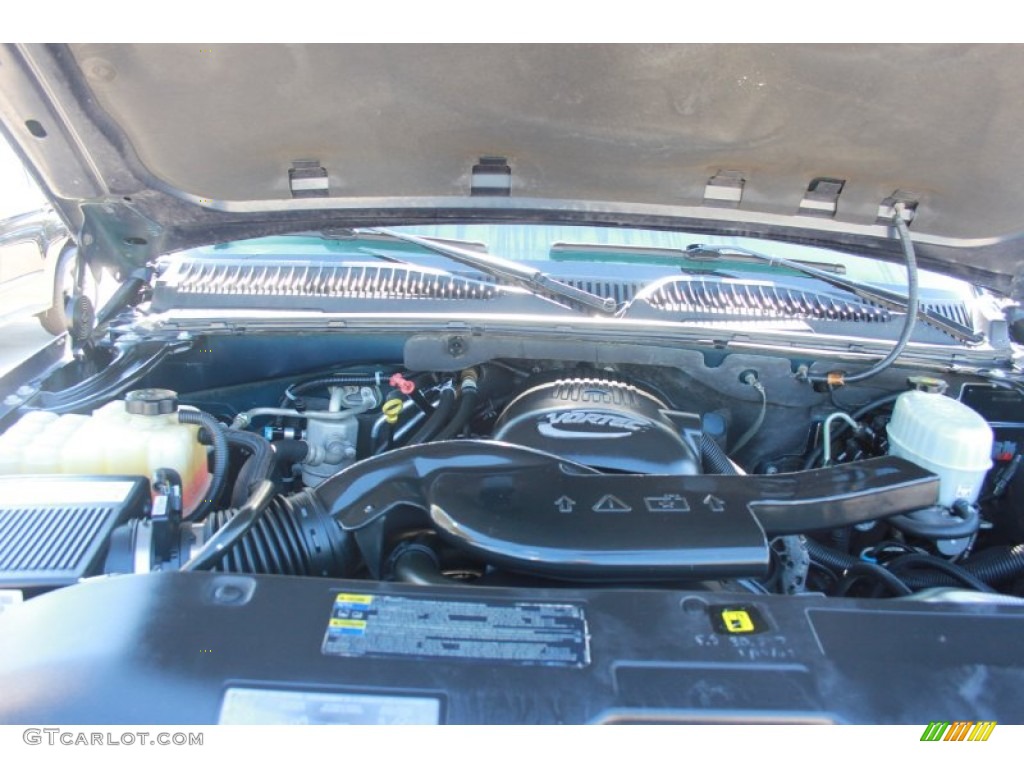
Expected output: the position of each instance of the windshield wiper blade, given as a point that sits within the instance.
(532, 280)
(657, 254)
(879, 296)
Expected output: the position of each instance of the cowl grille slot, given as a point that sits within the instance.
(622, 292)
(952, 310)
(758, 300)
(341, 281)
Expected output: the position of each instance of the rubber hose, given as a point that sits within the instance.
(963, 576)
(290, 452)
(417, 564)
(992, 566)
(438, 419)
(421, 400)
(467, 405)
(861, 569)
(997, 565)
(832, 559)
(970, 521)
(220, 458)
(714, 457)
(257, 467)
(839, 539)
(907, 244)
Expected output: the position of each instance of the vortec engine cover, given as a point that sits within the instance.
(603, 424)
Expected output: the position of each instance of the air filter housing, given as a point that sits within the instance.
(54, 530)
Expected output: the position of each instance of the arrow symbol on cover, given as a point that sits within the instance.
(714, 503)
(564, 504)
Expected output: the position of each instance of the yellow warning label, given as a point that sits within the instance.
(737, 621)
(360, 599)
(348, 623)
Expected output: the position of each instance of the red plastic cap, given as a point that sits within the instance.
(402, 384)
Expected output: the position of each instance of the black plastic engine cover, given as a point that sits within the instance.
(605, 424)
(648, 656)
(536, 513)
(598, 526)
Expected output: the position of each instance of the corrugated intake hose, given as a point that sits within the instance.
(236, 524)
(220, 457)
(288, 536)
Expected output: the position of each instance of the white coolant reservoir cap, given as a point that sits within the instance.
(945, 437)
(151, 402)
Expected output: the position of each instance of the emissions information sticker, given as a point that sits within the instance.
(508, 631)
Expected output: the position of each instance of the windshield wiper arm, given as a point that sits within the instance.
(533, 280)
(879, 296)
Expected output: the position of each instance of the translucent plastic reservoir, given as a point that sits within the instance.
(945, 437)
(109, 442)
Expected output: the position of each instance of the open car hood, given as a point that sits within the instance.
(147, 149)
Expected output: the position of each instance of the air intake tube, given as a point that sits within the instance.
(288, 536)
(528, 511)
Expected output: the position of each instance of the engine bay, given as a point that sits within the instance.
(520, 473)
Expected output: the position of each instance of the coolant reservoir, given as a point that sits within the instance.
(945, 437)
(134, 436)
